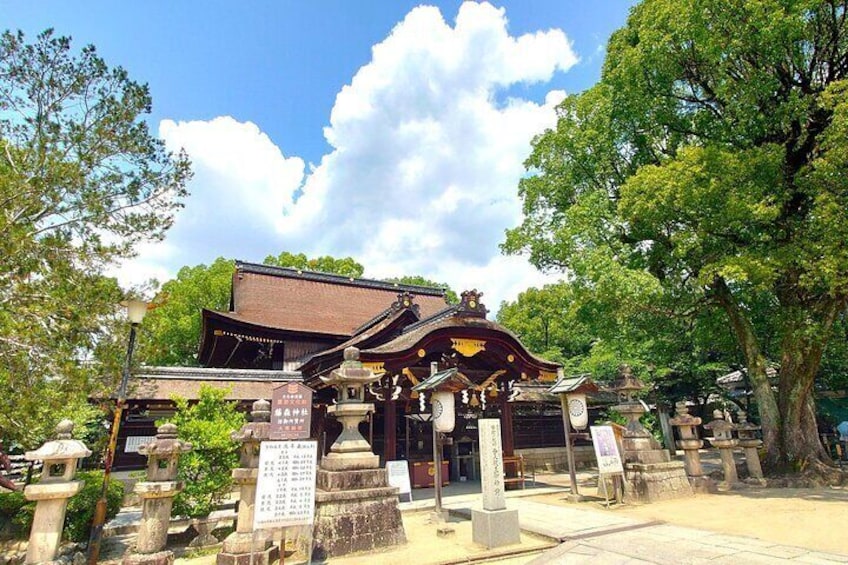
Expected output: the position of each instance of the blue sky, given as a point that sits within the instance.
(407, 155)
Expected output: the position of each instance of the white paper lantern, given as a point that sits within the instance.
(444, 413)
(578, 413)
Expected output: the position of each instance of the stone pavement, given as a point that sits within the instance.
(602, 537)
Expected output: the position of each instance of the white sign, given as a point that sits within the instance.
(606, 449)
(134, 442)
(285, 486)
(398, 472)
(491, 463)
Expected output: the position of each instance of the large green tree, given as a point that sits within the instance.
(709, 165)
(345, 266)
(82, 181)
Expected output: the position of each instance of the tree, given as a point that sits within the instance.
(173, 330)
(709, 164)
(82, 181)
(417, 280)
(346, 266)
(207, 425)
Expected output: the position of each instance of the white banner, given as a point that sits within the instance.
(398, 472)
(606, 449)
(285, 486)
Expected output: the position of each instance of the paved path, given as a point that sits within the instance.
(605, 538)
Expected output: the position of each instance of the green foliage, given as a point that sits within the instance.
(207, 425)
(173, 330)
(346, 266)
(80, 511)
(417, 280)
(706, 170)
(82, 182)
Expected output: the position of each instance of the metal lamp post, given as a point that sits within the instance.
(136, 309)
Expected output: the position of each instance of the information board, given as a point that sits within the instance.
(285, 486)
(606, 450)
(291, 411)
(398, 472)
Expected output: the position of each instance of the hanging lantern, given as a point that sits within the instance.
(578, 412)
(444, 413)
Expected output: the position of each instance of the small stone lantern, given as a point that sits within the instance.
(687, 429)
(240, 546)
(52, 492)
(157, 495)
(724, 441)
(748, 440)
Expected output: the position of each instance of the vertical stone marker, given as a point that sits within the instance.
(494, 525)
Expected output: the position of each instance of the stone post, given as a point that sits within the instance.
(52, 492)
(687, 430)
(749, 441)
(242, 546)
(724, 441)
(157, 494)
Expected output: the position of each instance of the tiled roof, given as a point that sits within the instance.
(303, 301)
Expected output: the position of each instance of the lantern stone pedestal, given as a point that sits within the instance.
(723, 440)
(51, 494)
(355, 508)
(157, 495)
(649, 473)
(687, 429)
(749, 441)
(244, 546)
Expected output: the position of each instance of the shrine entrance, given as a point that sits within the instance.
(492, 360)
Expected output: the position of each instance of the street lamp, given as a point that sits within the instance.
(572, 394)
(136, 309)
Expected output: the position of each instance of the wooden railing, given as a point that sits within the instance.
(513, 466)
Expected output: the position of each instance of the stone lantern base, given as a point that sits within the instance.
(650, 474)
(355, 510)
(243, 549)
(165, 557)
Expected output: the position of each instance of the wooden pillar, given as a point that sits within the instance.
(506, 426)
(389, 428)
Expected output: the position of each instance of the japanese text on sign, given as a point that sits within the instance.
(291, 411)
(285, 486)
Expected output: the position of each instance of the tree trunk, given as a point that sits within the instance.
(802, 347)
(756, 362)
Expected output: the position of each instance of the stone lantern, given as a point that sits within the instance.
(351, 450)
(748, 440)
(724, 441)
(52, 492)
(240, 546)
(157, 495)
(355, 508)
(687, 430)
(627, 388)
(649, 472)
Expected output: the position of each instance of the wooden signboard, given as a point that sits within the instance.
(285, 485)
(291, 411)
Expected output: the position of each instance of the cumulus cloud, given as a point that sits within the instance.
(426, 155)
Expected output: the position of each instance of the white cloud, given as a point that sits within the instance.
(426, 156)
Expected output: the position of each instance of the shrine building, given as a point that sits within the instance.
(286, 324)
